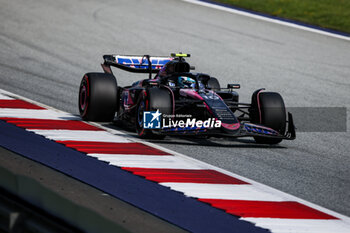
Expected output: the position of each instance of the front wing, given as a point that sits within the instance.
(245, 130)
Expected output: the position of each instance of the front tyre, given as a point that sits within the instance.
(152, 99)
(269, 110)
(98, 97)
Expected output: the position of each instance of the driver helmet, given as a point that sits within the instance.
(186, 82)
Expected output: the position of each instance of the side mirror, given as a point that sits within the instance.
(233, 86)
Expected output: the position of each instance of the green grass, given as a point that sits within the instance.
(332, 14)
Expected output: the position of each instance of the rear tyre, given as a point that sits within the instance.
(152, 100)
(213, 84)
(269, 110)
(98, 97)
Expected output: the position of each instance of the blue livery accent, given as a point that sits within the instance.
(199, 129)
(256, 129)
(141, 62)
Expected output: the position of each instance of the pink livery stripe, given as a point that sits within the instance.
(267, 209)
(184, 175)
(9, 103)
(50, 124)
(113, 148)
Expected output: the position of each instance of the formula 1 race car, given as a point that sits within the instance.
(179, 102)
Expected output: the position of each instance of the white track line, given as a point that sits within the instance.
(255, 16)
(37, 114)
(5, 97)
(300, 225)
(80, 135)
(146, 161)
(224, 191)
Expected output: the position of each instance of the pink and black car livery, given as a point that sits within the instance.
(181, 95)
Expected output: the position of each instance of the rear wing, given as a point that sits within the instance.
(139, 63)
(136, 64)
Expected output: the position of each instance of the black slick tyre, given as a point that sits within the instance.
(152, 99)
(269, 110)
(98, 97)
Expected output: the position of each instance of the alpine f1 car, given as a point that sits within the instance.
(175, 101)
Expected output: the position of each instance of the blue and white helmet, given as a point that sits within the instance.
(186, 82)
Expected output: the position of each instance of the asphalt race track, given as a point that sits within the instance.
(46, 47)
